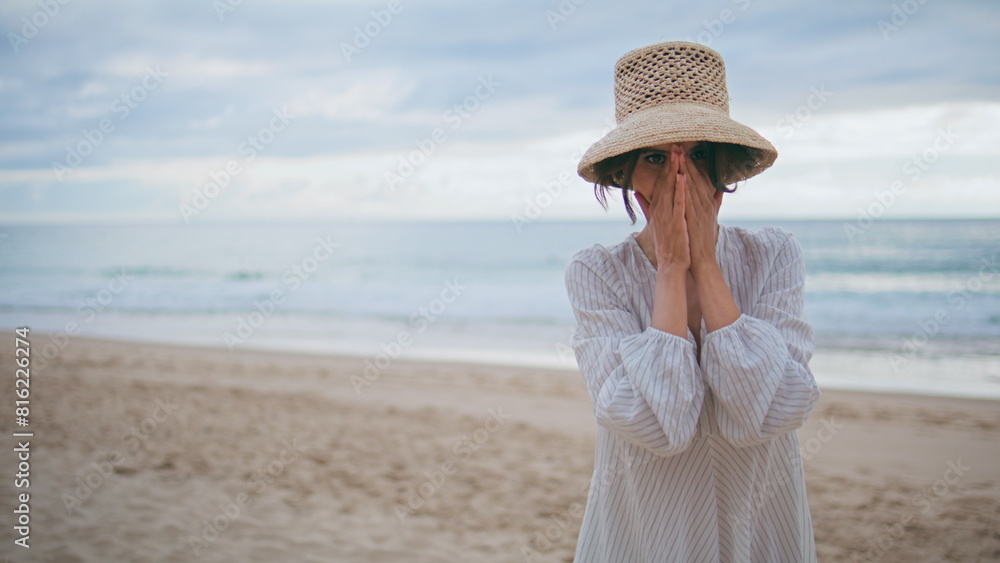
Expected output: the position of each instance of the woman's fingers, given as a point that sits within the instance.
(701, 213)
(697, 182)
(641, 198)
(643, 203)
(681, 196)
(691, 188)
(665, 182)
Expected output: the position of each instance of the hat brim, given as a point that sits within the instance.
(679, 122)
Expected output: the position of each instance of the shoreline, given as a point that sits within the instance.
(835, 368)
(155, 445)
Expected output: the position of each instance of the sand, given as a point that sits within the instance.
(158, 453)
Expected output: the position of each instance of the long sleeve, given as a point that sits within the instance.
(645, 384)
(757, 367)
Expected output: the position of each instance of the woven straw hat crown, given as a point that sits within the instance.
(681, 73)
(670, 93)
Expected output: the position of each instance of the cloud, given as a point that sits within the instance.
(365, 97)
(357, 118)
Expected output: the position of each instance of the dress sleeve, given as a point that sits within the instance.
(758, 366)
(645, 384)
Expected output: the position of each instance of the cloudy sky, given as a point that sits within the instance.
(216, 110)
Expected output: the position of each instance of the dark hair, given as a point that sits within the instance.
(726, 163)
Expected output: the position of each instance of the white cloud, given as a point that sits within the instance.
(819, 174)
(889, 103)
(189, 66)
(363, 97)
(213, 121)
(892, 133)
(93, 88)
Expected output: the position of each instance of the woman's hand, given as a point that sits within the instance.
(718, 307)
(665, 214)
(701, 214)
(671, 250)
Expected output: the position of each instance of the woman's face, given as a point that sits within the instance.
(653, 159)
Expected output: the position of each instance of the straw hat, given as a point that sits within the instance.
(670, 93)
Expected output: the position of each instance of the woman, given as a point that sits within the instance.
(690, 335)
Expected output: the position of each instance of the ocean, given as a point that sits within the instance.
(904, 306)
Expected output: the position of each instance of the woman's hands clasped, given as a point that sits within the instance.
(682, 214)
(665, 216)
(682, 208)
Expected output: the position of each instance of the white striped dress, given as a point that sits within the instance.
(697, 459)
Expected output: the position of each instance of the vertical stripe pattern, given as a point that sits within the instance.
(697, 459)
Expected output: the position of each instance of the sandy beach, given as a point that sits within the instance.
(160, 453)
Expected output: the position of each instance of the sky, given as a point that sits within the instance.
(222, 110)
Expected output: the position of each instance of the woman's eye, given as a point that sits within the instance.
(699, 154)
(655, 158)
